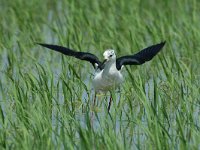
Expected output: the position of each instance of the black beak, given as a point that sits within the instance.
(105, 60)
(101, 66)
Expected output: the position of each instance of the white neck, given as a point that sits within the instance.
(110, 66)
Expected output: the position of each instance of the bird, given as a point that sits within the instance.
(108, 76)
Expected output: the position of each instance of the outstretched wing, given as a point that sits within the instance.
(80, 55)
(141, 57)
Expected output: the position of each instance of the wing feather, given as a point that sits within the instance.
(141, 57)
(79, 55)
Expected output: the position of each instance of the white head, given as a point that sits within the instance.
(109, 54)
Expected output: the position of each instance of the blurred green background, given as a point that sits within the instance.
(46, 98)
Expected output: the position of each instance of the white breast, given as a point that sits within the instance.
(107, 79)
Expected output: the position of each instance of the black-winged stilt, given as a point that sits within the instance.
(108, 72)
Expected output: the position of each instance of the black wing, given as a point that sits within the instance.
(141, 57)
(80, 55)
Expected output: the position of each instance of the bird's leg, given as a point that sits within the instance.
(110, 102)
(92, 117)
(95, 96)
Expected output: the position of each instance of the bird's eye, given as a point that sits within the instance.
(110, 55)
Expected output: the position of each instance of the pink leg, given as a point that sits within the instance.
(95, 96)
(109, 105)
(92, 117)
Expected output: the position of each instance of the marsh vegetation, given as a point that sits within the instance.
(46, 98)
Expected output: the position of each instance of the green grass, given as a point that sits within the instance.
(46, 98)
